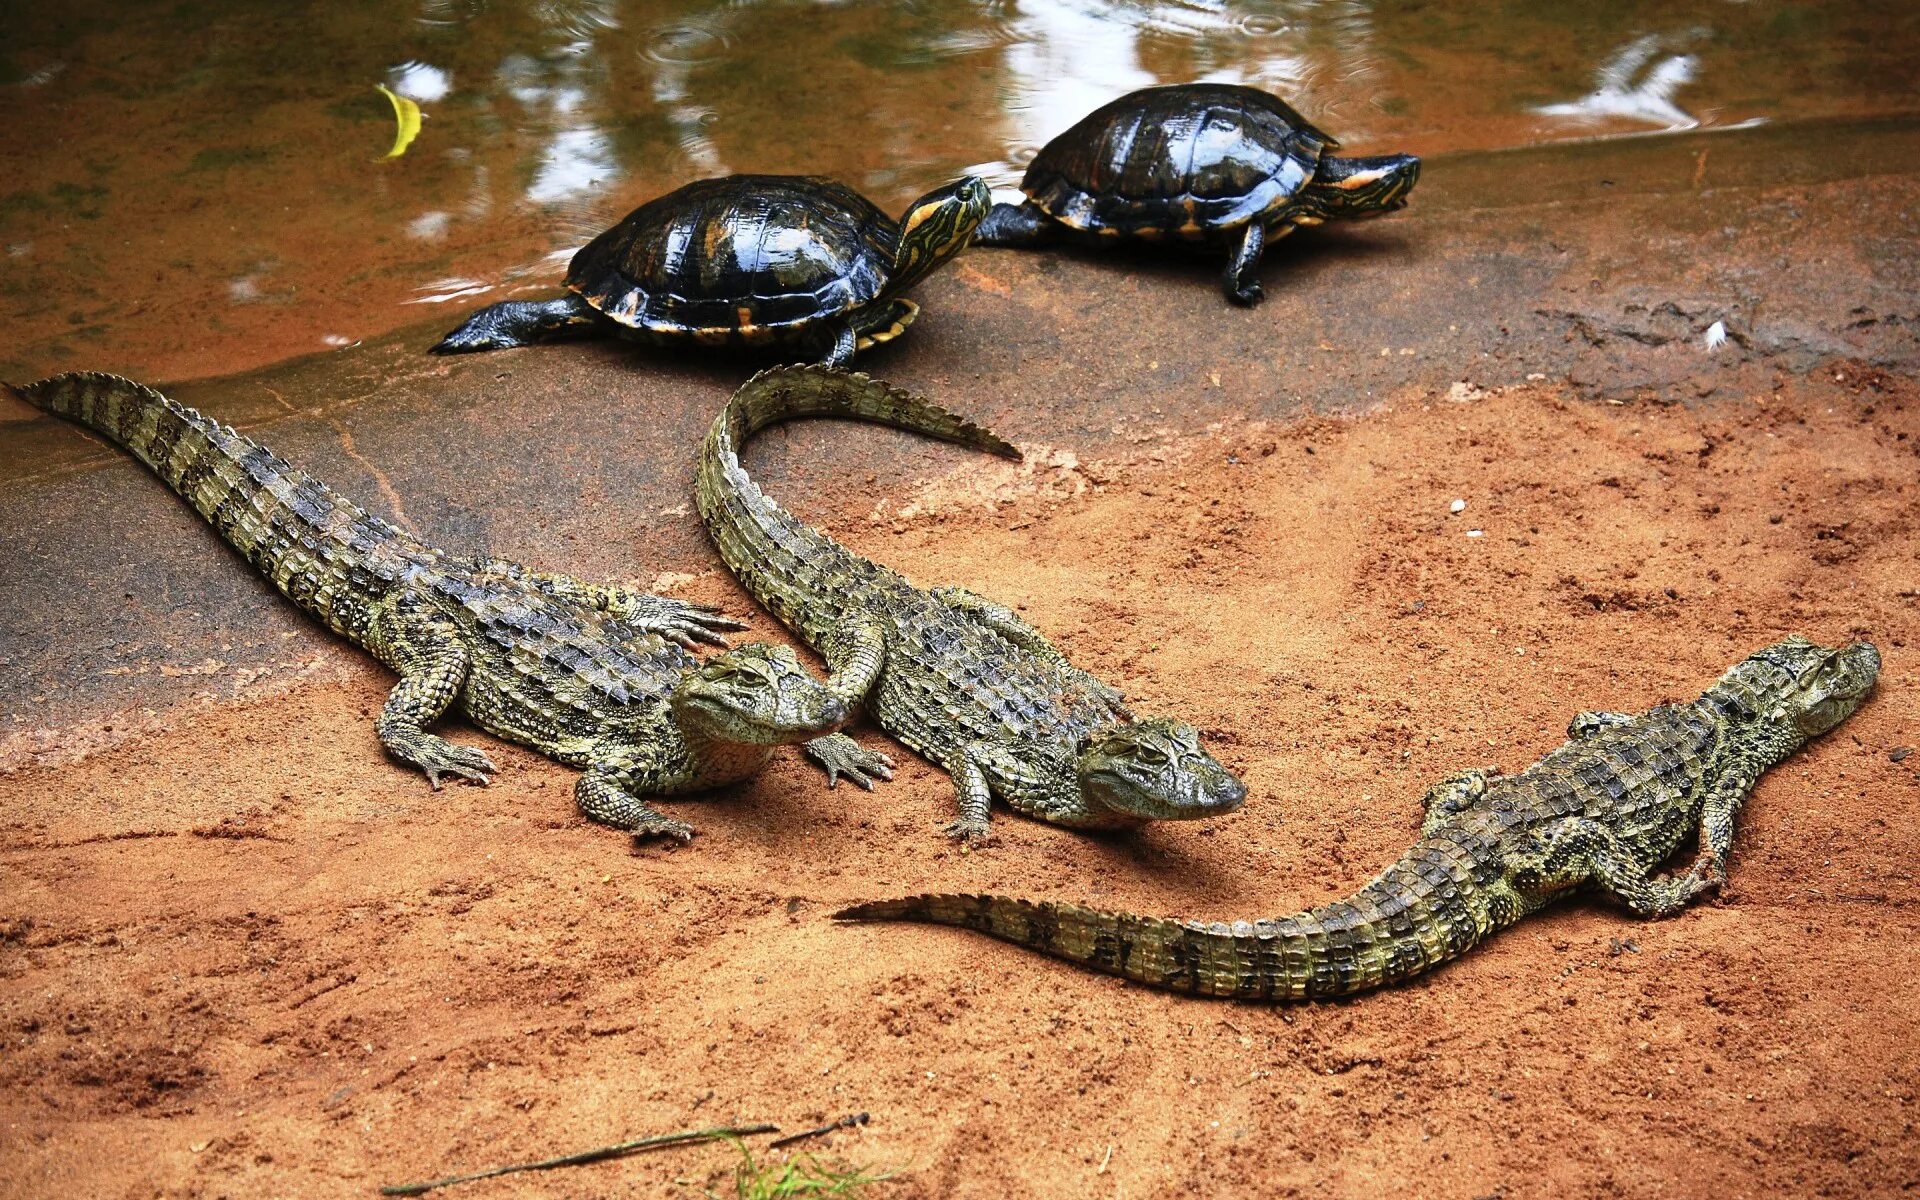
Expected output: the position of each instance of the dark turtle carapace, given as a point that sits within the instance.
(746, 260)
(1207, 163)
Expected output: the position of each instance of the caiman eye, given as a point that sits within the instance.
(1151, 756)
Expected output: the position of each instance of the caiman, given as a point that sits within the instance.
(597, 676)
(1602, 813)
(957, 677)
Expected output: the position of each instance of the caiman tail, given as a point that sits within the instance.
(763, 544)
(1373, 939)
(305, 539)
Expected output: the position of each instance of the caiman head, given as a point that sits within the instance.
(1796, 689)
(1155, 770)
(756, 695)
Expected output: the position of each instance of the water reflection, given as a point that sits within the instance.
(156, 163)
(419, 82)
(1636, 84)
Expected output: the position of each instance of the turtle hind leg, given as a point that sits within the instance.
(1023, 224)
(1238, 280)
(523, 322)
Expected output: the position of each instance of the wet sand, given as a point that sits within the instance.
(247, 955)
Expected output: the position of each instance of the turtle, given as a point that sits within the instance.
(746, 260)
(1208, 163)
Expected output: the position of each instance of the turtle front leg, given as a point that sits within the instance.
(522, 322)
(1023, 224)
(1241, 286)
(845, 342)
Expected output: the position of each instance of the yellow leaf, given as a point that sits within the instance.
(406, 115)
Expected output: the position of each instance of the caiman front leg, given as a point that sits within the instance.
(841, 755)
(1008, 624)
(855, 654)
(976, 802)
(605, 793)
(1577, 850)
(1709, 870)
(425, 649)
(681, 621)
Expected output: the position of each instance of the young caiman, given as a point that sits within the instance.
(596, 676)
(957, 677)
(1601, 812)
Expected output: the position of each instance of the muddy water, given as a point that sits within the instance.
(198, 187)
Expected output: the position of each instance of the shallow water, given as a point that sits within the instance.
(200, 187)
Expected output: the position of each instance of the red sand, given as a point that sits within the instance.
(249, 956)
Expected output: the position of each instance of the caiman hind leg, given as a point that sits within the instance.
(1023, 224)
(1005, 622)
(1577, 851)
(605, 794)
(425, 648)
(523, 322)
(681, 621)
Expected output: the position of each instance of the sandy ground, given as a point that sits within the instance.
(246, 955)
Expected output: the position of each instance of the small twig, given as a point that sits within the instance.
(587, 1156)
(1106, 1160)
(846, 1122)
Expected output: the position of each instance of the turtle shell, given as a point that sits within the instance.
(1192, 160)
(746, 255)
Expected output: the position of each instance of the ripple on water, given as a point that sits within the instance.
(688, 43)
(448, 13)
(1263, 25)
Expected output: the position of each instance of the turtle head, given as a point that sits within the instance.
(937, 226)
(1155, 770)
(756, 695)
(1345, 188)
(1798, 689)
